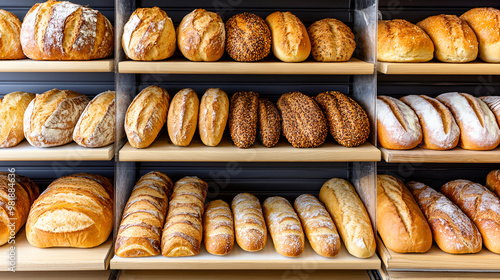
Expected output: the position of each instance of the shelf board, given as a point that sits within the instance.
(265, 67)
(30, 258)
(239, 259)
(439, 68)
(56, 275)
(69, 152)
(29, 65)
(457, 155)
(437, 275)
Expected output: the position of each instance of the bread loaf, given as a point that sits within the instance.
(304, 124)
(453, 39)
(17, 193)
(485, 22)
(74, 211)
(183, 117)
(50, 118)
(290, 42)
(493, 103)
(149, 35)
(218, 228)
(331, 40)
(96, 126)
(139, 234)
(350, 217)
(243, 115)
(12, 108)
(248, 37)
(481, 205)
(201, 36)
(10, 41)
(214, 111)
(478, 128)
(347, 121)
(60, 30)
(398, 126)
(269, 123)
(146, 115)
(183, 228)
(439, 128)
(249, 224)
(318, 225)
(493, 181)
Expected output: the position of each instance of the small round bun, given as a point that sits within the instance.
(486, 24)
(248, 37)
(289, 37)
(10, 42)
(331, 40)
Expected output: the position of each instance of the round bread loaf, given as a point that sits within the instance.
(269, 123)
(243, 115)
(248, 37)
(453, 38)
(10, 33)
(12, 109)
(201, 36)
(485, 22)
(403, 41)
(331, 40)
(60, 30)
(149, 35)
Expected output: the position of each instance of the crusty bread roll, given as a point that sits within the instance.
(214, 111)
(331, 40)
(218, 228)
(249, 224)
(12, 108)
(290, 42)
(139, 234)
(10, 41)
(201, 36)
(452, 230)
(439, 128)
(248, 37)
(318, 225)
(51, 117)
(96, 126)
(402, 41)
(454, 40)
(60, 30)
(183, 117)
(493, 181)
(485, 22)
(478, 127)
(493, 103)
(243, 116)
(146, 115)
(350, 217)
(74, 211)
(398, 127)
(149, 35)
(347, 121)
(481, 205)
(269, 123)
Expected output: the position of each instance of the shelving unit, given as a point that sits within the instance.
(29, 65)
(439, 68)
(437, 275)
(456, 155)
(69, 152)
(57, 275)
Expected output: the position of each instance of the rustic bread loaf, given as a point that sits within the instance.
(248, 37)
(183, 117)
(249, 224)
(493, 181)
(493, 103)
(331, 40)
(12, 108)
(243, 115)
(214, 111)
(218, 228)
(485, 23)
(10, 38)
(269, 123)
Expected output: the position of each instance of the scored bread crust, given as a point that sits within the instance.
(10, 40)
(248, 37)
(214, 112)
(493, 103)
(485, 22)
(183, 117)
(493, 181)
(218, 228)
(331, 40)
(12, 109)
(249, 224)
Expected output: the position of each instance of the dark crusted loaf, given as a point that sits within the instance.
(243, 118)
(269, 123)
(248, 37)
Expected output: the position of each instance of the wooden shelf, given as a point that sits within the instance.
(457, 155)
(29, 65)
(438, 275)
(163, 150)
(69, 152)
(29, 258)
(265, 67)
(56, 275)
(239, 259)
(439, 68)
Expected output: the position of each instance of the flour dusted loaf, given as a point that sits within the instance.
(269, 123)
(74, 211)
(10, 40)
(249, 224)
(290, 42)
(248, 37)
(12, 108)
(60, 30)
(493, 103)
(183, 117)
(243, 116)
(214, 112)
(485, 22)
(218, 228)
(493, 181)
(331, 40)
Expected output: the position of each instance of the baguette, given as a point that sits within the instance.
(183, 117)
(243, 115)
(269, 123)
(493, 181)
(218, 228)
(214, 111)
(12, 108)
(249, 224)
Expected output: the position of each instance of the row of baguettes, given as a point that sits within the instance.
(447, 37)
(460, 218)
(56, 30)
(186, 221)
(150, 35)
(439, 123)
(57, 117)
(304, 120)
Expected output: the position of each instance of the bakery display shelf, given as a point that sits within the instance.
(30, 258)
(438, 275)
(69, 152)
(265, 67)
(56, 275)
(456, 155)
(163, 150)
(29, 65)
(439, 68)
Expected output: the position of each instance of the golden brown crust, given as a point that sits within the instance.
(485, 22)
(183, 117)
(12, 108)
(214, 112)
(243, 115)
(269, 123)
(218, 228)
(331, 40)
(10, 38)
(493, 181)
(248, 37)
(249, 224)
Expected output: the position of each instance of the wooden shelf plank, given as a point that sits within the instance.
(266, 67)
(69, 152)
(56, 275)
(238, 259)
(438, 275)
(457, 155)
(29, 65)
(439, 68)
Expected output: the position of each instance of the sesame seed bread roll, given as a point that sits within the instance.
(485, 23)
(214, 112)
(248, 37)
(269, 123)
(331, 40)
(183, 117)
(243, 116)
(12, 109)
(493, 103)
(10, 41)
(218, 228)
(493, 181)
(249, 224)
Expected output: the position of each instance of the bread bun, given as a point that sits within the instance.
(290, 41)
(214, 112)
(485, 22)
(331, 40)
(248, 37)
(493, 103)
(183, 117)
(10, 41)
(12, 108)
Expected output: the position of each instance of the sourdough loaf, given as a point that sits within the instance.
(10, 36)
(12, 108)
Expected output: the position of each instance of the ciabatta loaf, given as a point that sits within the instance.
(218, 228)
(12, 108)
(214, 112)
(249, 224)
(10, 40)
(183, 117)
